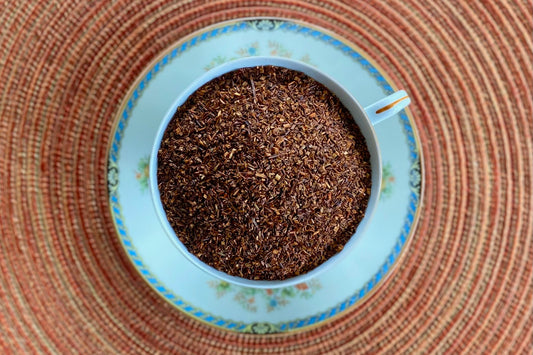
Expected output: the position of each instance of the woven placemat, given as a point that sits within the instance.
(465, 283)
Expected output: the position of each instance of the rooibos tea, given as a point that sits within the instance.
(263, 173)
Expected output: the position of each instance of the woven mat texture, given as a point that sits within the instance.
(465, 283)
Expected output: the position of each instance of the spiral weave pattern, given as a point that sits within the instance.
(465, 283)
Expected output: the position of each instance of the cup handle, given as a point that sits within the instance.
(387, 107)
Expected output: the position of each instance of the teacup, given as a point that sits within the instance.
(365, 118)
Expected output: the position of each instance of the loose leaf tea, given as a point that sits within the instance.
(263, 173)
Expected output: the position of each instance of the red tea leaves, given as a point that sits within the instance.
(263, 173)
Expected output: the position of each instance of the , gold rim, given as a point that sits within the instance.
(248, 327)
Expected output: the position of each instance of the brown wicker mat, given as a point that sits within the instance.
(465, 282)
